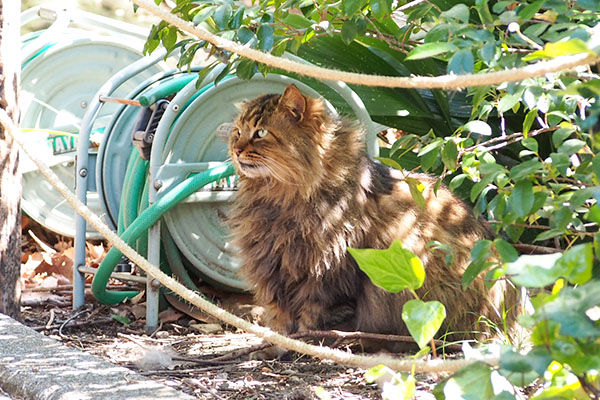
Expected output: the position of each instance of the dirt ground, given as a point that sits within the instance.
(196, 355)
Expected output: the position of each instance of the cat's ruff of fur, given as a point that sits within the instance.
(308, 191)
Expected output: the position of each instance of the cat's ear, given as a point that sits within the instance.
(293, 102)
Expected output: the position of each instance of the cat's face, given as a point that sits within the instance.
(274, 137)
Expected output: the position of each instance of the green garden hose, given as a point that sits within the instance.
(144, 221)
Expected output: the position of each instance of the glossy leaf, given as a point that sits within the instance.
(351, 7)
(222, 15)
(575, 265)
(479, 127)
(506, 251)
(265, 37)
(246, 36)
(470, 382)
(429, 50)
(462, 62)
(450, 155)
(246, 69)
(393, 269)
(204, 14)
(521, 198)
(423, 319)
(349, 31)
(534, 271)
(459, 12)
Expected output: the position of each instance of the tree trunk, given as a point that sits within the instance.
(10, 177)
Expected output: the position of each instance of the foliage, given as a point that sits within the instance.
(564, 357)
(525, 154)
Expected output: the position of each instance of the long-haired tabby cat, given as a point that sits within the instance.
(308, 191)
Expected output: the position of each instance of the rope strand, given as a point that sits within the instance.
(321, 352)
(447, 82)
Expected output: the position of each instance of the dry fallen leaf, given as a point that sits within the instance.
(206, 328)
(169, 315)
(139, 310)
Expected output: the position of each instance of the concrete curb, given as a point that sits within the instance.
(36, 367)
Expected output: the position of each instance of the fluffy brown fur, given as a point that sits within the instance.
(307, 192)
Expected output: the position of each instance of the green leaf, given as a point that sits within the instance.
(393, 269)
(530, 144)
(297, 21)
(559, 136)
(246, 36)
(575, 265)
(470, 382)
(423, 319)
(380, 8)
(203, 14)
(557, 49)
(534, 271)
(506, 251)
(529, 11)
(508, 101)
(462, 62)
(351, 7)
(571, 146)
(349, 31)
(479, 256)
(484, 12)
(121, 319)
(429, 50)
(169, 37)
(528, 121)
(549, 234)
(591, 5)
(246, 69)
(438, 142)
(390, 162)
(521, 198)
(416, 191)
(450, 155)
(536, 360)
(456, 182)
(222, 74)
(488, 52)
(237, 19)
(478, 127)
(374, 373)
(459, 12)
(525, 169)
(265, 37)
(222, 15)
(569, 310)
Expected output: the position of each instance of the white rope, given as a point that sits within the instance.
(447, 82)
(217, 312)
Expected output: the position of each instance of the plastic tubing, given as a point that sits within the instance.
(144, 221)
(165, 90)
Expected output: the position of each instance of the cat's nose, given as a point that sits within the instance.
(237, 150)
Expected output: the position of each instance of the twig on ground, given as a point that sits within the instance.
(206, 389)
(179, 372)
(51, 319)
(72, 324)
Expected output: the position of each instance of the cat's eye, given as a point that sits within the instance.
(261, 133)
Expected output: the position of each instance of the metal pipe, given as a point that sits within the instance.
(82, 167)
